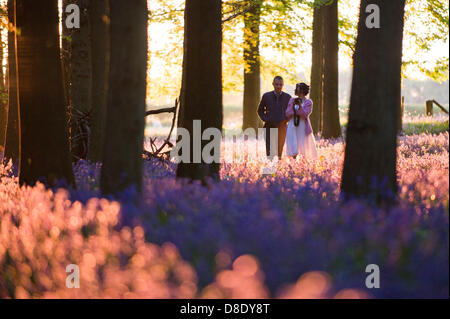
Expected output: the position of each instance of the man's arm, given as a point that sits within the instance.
(262, 110)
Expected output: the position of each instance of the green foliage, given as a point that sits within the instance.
(166, 49)
(282, 27)
(286, 37)
(425, 127)
(348, 27)
(282, 39)
(426, 25)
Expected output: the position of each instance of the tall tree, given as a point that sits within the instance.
(331, 122)
(252, 65)
(201, 94)
(370, 154)
(100, 46)
(44, 142)
(12, 144)
(122, 156)
(81, 80)
(317, 66)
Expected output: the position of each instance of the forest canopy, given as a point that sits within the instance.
(425, 42)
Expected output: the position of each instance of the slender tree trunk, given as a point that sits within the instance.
(331, 122)
(2, 51)
(201, 97)
(81, 76)
(66, 57)
(44, 143)
(100, 48)
(317, 68)
(12, 144)
(252, 66)
(371, 148)
(122, 156)
(3, 98)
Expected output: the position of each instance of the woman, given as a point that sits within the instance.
(299, 135)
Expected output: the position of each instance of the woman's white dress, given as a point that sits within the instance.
(298, 143)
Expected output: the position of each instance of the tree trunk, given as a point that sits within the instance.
(317, 68)
(122, 156)
(3, 98)
(100, 48)
(201, 94)
(370, 154)
(81, 76)
(331, 122)
(66, 57)
(44, 143)
(12, 144)
(252, 66)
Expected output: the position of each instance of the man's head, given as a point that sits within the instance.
(278, 84)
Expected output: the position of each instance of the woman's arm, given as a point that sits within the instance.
(290, 109)
(306, 110)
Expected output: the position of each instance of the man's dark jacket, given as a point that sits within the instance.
(272, 109)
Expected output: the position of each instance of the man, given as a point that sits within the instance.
(272, 111)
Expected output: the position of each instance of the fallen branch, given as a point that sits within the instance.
(156, 151)
(159, 111)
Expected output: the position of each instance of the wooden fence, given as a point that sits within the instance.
(429, 107)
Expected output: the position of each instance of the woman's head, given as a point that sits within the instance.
(301, 89)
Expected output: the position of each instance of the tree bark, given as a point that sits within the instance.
(66, 57)
(100, 48)
(81, 78)
(3, 99)
(12, 144)
(122, 157)
(252, 66)
(371, 148)
(201, 94)
(44, 143)
(331, 121)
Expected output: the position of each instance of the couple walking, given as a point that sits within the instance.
(290, 116)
